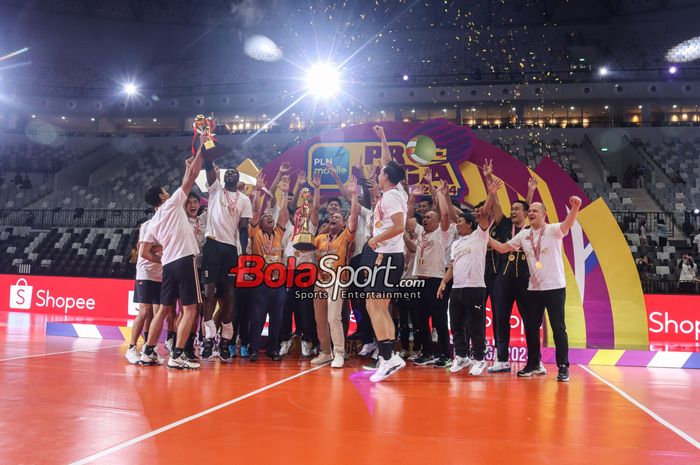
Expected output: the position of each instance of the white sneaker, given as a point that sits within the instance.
(169, 345)
(403, 353)
(478, 367)
(133, 355)
(321, 358)
(182, 363)
(540, 370)
(153, 359)
(460, 363)
(367, 349)
(306, 348)
(338, 361)
(387, 368)
(413, 356)
(500, 367)
(284, 347)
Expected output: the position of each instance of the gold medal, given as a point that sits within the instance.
(511, 257)
(421, 261)
(378, 224)
(538, 265)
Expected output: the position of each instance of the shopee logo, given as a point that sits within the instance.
(659, 322)
(21, 295)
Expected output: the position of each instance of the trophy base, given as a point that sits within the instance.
(304, 242)
(211, 151)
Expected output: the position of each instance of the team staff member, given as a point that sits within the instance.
(467, 312)
(542, 244)
(328, 310)
(170, 228)
(266, 241)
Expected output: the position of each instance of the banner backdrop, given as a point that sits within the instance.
(605, 306)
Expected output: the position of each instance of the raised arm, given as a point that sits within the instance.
(285, 168)
(531, 188)
(575, 203)
(354, 206)
(496, 209)
(301, 179)
(362, 183)
(316, 205)
(283, 217)
(386, 155)
(258, 195)
(212, 172)
(483, 218)
(343, 189)
(193, 166)
(418, 191)
(444, 203)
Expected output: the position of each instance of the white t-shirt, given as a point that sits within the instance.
(551, 275)
(431, 247)
(224, 213)
(393, 201)
(171, 228)
(199, 224)
(288, 245)
(146, 269)
(696, 241)
(364, 220)
(468, 257)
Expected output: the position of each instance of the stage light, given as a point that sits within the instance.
(640, 107)
(155, 120)
(413, 111)
(571, 108)
(697, 211)
(129, 120)
(672, 70)
(606, 107)
(405, 77)
(603, 71)
(685, 51)
(33, 116)
(63, 118)
(130, 88)
(92, 119)
(323, 80)
(512, 109)
(675, 106)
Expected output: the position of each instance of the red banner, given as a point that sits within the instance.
(86, 297)
(673, 319)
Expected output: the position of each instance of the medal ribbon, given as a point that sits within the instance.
(537, 249)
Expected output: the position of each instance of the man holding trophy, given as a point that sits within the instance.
(204, 128)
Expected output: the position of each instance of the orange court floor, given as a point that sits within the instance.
(71, 400)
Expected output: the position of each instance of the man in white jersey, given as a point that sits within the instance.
(170, 228)
(228, 211)
(542, 244)
(433, 238)
(149, 275)
(467, 310)
(383, 253)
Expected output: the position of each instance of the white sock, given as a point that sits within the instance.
(227, 330)
(209, 329)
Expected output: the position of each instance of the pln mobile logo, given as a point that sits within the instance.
(21, 295)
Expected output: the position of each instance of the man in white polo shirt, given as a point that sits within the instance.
(467, 310)
(229, 210)
(542, 244)
(171, 228)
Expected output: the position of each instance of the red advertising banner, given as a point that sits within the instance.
(673, 319)
(85, 297)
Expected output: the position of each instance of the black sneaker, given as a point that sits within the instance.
(443, 362)
(371, 365)
(424, 360)
(189, 351)
(207, 348)
(563, 374)
(253, 356)
(224, 353)
(274, 356)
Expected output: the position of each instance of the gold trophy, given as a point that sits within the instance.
(303, 240)
(205, 126)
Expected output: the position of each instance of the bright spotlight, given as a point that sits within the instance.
(673, 69)
(130, 88)
(603, 71)
(405, 77)
(697, 211)
(323, 80)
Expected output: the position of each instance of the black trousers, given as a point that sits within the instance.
(407, 323)
(468, 321)
(241, 313)
(507, 290)
(303, 311)
(554, 301)
(490, 291)
(430, 307)
(266, 301)
(359, 308)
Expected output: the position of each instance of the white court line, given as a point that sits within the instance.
(175, 424)
(645, 409)
(58, 353)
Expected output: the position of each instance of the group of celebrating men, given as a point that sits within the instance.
(455, 258)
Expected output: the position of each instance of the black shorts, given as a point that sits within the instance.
(217, 259)
(147, 292)
(375, 261)
(180, 281)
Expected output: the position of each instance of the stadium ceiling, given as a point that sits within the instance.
(245, 14)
